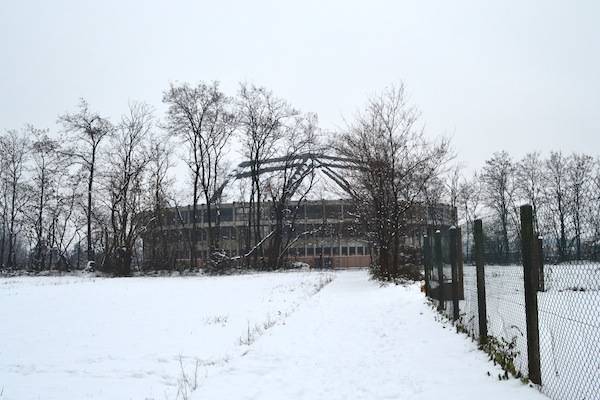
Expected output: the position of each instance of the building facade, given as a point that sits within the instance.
(321, 233)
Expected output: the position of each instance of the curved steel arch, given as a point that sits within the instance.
(302, 164)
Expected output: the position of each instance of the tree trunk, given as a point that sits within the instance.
(193, 233)
(90, 251)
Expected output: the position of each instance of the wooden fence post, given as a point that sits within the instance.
(439, 263)
(454, 271)
(530, 277)
(480, 270)
(427, 262)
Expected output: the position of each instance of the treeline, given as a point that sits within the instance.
(82, 194)
(85, 195)
(563, 189)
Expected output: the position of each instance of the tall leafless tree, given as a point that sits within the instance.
(398, 162)
(14, 147)
(87, 130)
(580, 168)
(499, 194)
(288, 187)
(47, 165)
(203, 118)
(158, 238)
(529, 182)
(556, 187)
(129, 160)
(262, 117)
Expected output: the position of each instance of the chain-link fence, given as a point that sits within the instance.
(535, 280)
(569, 298)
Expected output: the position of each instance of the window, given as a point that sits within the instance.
(336, 251)
(360, 250)
(333, 211)
(352, 250)
(301, 252)
(310, 251)
(225, 232)
(327, 251)
(344, 250)
(314, 212)
(226, 214)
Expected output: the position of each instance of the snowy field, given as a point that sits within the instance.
(263, 336)
(79, 338)
(569, 323)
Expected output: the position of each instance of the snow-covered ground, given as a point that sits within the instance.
(78, 338)
(264, 336)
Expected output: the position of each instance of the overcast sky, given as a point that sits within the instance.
(511, 75)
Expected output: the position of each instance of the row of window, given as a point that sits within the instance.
(293, 252)
(329, 251)
(311, 211)
(342, 230)
(225, 214)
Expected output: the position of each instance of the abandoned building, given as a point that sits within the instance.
(321, 233)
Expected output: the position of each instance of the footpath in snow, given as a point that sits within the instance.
(356, 340)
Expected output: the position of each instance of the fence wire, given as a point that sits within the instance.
(568, 295)
(504, 287)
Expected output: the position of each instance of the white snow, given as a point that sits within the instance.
(356, 340)
(264, 336)
(74, 338)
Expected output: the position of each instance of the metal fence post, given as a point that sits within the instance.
(480, 269)
(439, 263)
(427, 262)
(454, 271)
(531, 275)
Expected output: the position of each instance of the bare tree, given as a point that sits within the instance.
(14, 147)
(594, 215)
(47, 165)
(453, 187)
(127, 187)
(556, 185)
(398, 163)
(156, 237)
(529, 182)
(469, 198)
(498, 193)
(88, 130)
(434, 193)
(5, 204)
(293, 179)
(65, 220)
(262, 117)
(580, 168)
(201, 115)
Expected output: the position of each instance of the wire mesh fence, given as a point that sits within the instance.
(569, 298)
(444, 272)
(557, 319)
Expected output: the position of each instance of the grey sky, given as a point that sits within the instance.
(511, 75)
